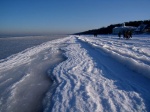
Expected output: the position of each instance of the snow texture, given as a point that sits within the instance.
(103, 74)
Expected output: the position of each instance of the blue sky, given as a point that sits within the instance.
(67, 16)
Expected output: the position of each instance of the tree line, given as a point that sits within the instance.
(108, 29)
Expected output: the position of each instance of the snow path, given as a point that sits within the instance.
(92, 80)
(134, 54)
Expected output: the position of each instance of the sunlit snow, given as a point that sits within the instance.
(78, 74)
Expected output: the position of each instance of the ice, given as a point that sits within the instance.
(13, 45)
(24, 79)
(78, 73)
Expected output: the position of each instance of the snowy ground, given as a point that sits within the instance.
(103, 74)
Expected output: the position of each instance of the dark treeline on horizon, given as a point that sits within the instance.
(108, 29)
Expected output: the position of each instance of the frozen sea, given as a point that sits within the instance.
(12, 45)
(78, 74)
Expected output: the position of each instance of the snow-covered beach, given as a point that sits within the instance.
(78, 74)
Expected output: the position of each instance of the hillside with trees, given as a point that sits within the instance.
(108, 29)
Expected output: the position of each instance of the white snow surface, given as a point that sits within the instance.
(99, 74)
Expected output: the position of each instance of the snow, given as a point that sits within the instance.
(78, 73)
(131, 54)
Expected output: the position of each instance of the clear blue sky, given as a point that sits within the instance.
(68, 16)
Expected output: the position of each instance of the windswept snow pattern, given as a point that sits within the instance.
(103, 74)
(92, 79)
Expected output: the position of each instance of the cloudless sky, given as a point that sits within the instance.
(68, 16)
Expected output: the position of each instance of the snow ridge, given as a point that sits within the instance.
(23, 77)
(27, 55)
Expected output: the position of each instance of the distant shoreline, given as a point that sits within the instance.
(27, 35)
(12, 45)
